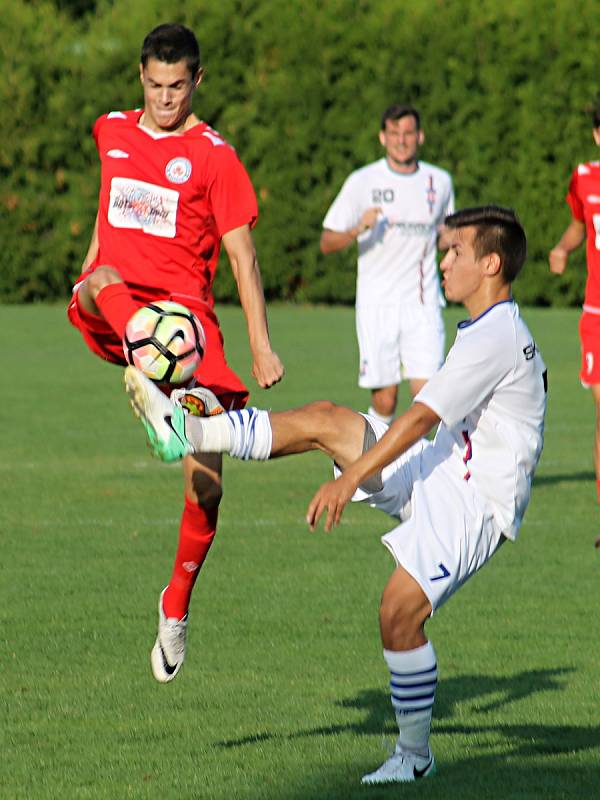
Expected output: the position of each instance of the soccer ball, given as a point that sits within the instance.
(165, 341)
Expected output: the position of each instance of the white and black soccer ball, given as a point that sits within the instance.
(164, 340)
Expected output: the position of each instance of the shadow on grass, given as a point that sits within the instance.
(525, 768)
(568, 477)
(484, 693)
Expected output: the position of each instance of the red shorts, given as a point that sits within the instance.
(589, 333)
(213, 371)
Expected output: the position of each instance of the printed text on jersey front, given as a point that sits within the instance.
(143, 206)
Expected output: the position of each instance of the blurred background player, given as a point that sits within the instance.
(583, 198)
(171, 191)
(459, 497)
(394, 209)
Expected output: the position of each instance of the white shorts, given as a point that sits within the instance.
(447, 532)
(397, 342)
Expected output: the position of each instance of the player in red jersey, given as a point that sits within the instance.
(584, 199)
(171, 191)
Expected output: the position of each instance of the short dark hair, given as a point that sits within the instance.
(398, 111)
(596, 116)
(497, 230)
(172, 43)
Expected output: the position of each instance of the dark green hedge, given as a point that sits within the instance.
(298, 88)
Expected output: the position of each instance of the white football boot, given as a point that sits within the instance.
(168, 652)
(402, 767)
(198, 402)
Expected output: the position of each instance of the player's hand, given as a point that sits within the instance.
(558, 260)
(332, 497)
(267, 369)
(369, 218)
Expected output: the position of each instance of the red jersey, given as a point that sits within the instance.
(584, 199)
(165, 202)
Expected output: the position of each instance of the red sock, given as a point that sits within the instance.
(116, 306)
(196, 532)
(598, 490)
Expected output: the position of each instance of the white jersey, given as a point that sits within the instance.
(397, 257)
(491, 397)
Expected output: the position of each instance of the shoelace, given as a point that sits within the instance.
(175, 631)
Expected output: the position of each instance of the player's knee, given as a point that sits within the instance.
(322, 407)
(395, 618)
(100, 278)
(385, 404)
(401, 617)
(329, 416)
(328, 420)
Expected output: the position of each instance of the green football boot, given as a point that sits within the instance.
(163, 420)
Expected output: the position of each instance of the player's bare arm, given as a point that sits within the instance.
(92, 251)
(93, 283)
(333, 496)
(267, 368)
(332, 241)
(571, 239)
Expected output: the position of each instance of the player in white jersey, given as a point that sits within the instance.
(394, 209)
(458, 498)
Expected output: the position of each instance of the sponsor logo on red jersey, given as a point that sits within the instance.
(116, 153)
(178, 170)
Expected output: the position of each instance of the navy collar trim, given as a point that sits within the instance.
(466, 323)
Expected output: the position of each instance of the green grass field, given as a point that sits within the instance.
(284, 692)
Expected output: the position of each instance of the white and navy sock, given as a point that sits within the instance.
(413, 679)
(381, 417)
(244, 434)
(252, 436)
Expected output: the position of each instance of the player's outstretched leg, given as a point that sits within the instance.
(173, 434)
(249, 434)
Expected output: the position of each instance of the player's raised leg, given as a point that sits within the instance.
(335, 430)
(249, 434)
(103, 293)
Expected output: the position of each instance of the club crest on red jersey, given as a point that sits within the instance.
(178, 170)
